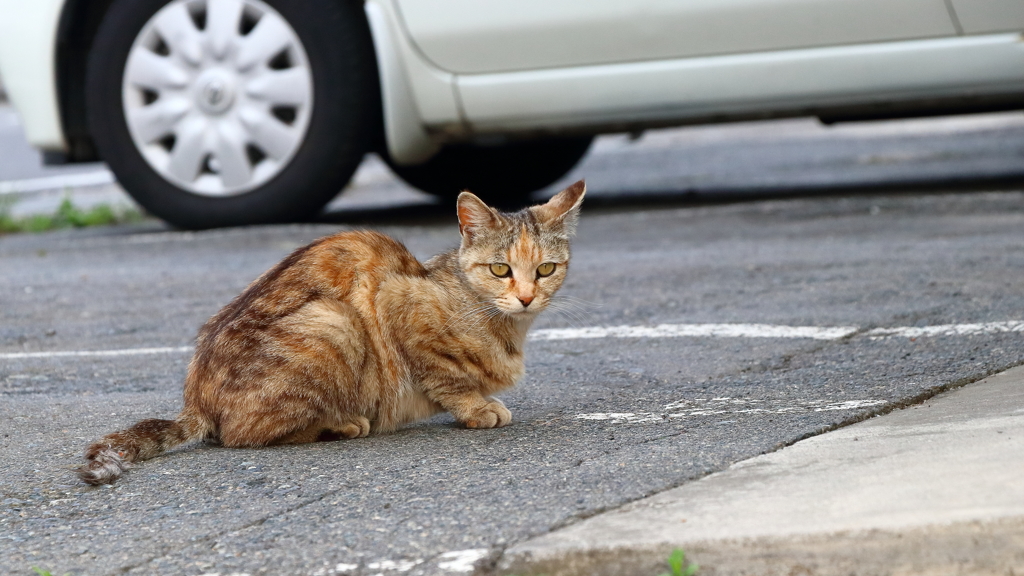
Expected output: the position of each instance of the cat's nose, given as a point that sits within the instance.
(525, 300)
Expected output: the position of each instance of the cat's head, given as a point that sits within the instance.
(518, 260)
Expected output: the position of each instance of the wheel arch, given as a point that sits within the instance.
(405, 136)
(79, 21)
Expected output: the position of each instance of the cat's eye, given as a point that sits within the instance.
(546, 269)
(501, 270)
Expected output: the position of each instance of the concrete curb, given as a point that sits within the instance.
(936, 488)
(967, 548)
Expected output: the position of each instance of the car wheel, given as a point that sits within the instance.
(229, 112)
(503, 175)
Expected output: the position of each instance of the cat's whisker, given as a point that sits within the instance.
(493, 313)
(462, 315)
(561, 307)
(473, 321)
(578, 301)
(466, 313)
(480, 314)
(572, 320)
(562, 303)
(577, 318)
(583, 313)
(576, 310)
(569, 304)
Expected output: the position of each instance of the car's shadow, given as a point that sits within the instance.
(439, 213)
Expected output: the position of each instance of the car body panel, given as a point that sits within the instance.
(511, 35)
(432, 89)
(28, 44)
(627, 96)
(981, 16)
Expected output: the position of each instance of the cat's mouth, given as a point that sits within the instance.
(522, 311)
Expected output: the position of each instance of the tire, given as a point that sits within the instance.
(251, 146)
(503, 175)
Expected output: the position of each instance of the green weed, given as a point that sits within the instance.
(679, 566)
(42, 572)
(67, 215)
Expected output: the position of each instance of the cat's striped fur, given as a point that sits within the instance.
(352, 335)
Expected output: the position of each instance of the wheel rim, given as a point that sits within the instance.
(217, 94)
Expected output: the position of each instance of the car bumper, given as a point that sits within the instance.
(28, 40)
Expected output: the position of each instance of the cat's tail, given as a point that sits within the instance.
(111, 455)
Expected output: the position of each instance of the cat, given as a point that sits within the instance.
(351, 335)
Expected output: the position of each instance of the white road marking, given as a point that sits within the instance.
(121, 352)
(342, 568)
(697, 331)
(97, 178)
(461, 560)
(725, 405)
(394, 565)
(454, 561)
(659, 331)
(948, 330)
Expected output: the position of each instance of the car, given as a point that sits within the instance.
(230, 112)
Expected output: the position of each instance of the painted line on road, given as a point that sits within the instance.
(461, 561)
(79, 353)
(697, 331)
(726, 405)
(659, 331)
(948, 330)
(773, 331)
(97, 178)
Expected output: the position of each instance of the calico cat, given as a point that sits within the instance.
(352, 335)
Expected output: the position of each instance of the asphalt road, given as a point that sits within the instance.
(597, 421)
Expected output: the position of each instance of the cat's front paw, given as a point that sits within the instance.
(493, 414)
(359, 427)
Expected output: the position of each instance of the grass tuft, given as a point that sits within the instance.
(679, 566)
(42, 572)
(67, 215)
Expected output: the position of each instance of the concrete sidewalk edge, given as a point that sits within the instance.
(974, 548)
(934, 488)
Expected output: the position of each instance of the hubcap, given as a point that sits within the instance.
(215, 91)
(217, 94)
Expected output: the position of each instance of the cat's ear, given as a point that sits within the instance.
(474, 215)
(563, 209)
